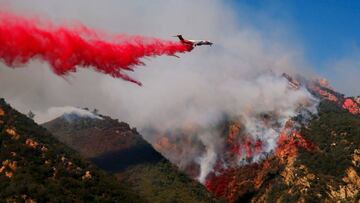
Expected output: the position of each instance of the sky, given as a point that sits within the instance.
(327, 31)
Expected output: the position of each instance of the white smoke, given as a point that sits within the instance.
(198, 89)
(211, 140)
(68, 112)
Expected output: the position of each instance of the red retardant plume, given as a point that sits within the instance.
(67, 49)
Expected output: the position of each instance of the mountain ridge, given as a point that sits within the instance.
(35, 167)
(117, 148)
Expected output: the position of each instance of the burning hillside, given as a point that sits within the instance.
(236, 156)
(237, 140)
(322, 89)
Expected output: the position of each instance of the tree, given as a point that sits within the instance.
(31, 115)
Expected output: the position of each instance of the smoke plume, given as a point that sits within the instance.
(70, 113)
(184, 107)
(64, 49)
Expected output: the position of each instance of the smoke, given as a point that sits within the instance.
(22, 40)
(201, 118)
(344, 73)
(186, 99)
(70, 113)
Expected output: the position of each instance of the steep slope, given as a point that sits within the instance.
(322, 166)
(318, 163)
(35, 167)
(117, 148)
(316, 159)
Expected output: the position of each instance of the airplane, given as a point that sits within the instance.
(193, 43)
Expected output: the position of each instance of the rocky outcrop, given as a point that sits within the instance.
(349, 190)
(31, 143)
(86, 176)
(8, 168)
(356, 158)
(12, 133)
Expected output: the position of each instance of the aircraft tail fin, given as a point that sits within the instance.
(180, 37)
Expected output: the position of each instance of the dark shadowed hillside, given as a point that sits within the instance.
(35, 167)
(117, 148)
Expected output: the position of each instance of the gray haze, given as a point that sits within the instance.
(344, 74)
(230, 77)
(238, 52)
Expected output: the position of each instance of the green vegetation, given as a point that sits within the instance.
(162, 182)
(336, 133)
(47, 170)
(115, 147)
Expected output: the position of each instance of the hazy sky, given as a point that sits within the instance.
(327, 31)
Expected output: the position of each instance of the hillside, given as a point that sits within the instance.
(321, 165)
(115, 147)
(317, 160)
(314, 160)
(35, 167)
(317, 163)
